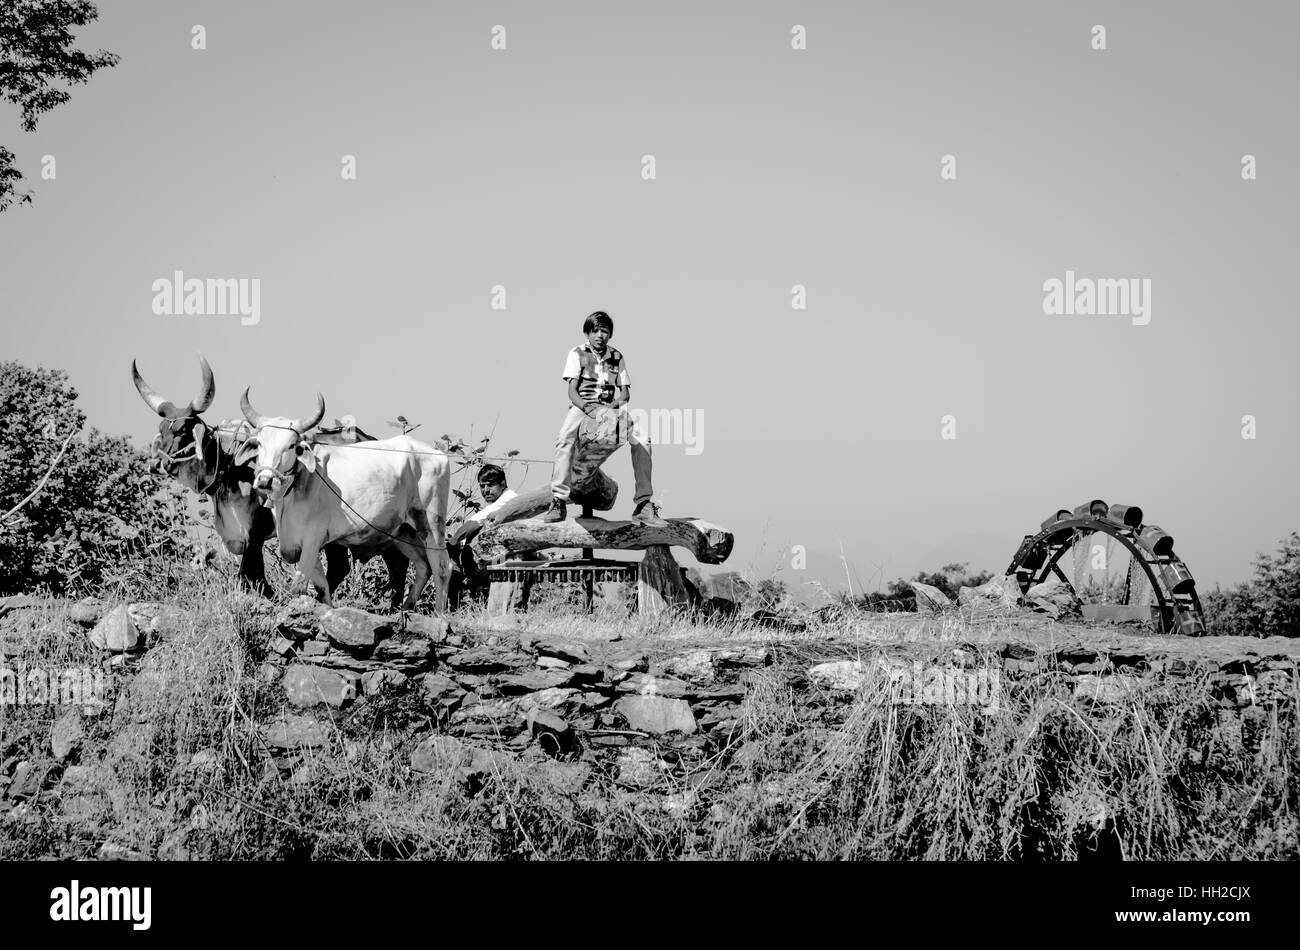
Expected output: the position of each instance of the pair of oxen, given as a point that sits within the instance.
(333, 492)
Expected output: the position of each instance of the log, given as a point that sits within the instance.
(599, 492)
(592, 488)
(659, 584)
(709, 543)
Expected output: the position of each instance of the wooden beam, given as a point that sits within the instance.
(708, 543)
(599, 492)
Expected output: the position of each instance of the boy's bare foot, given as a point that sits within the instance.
(648, 513)
(557, 512)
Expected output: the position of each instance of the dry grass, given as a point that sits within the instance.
(180, 766)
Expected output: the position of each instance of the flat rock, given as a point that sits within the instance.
(291, 731)
(571, 650)
(929, 599)
(439, 753)
(638, 768)
(552, 731)
(629, 661)
(112, 851)
(498, 713)
(553, 698)
(354, 629)
(657, 714)
(409, 651)
(587, 673)
(747, 657)
(434, 629)
(440, 690)
(116, 633)
(16, 602)
(300, 618)
(308, 685)
(644, 684)
(1055, 598)
(531, 681)
(66, 735)
(25, 782)
(379, 681)
(485, 660)
(697, 667)
(567, 778)
(843, 675)
(1000, 593)
(1107, 689)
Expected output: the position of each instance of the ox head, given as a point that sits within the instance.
(278, 447)
(179, 446)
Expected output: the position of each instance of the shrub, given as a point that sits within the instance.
(1266, 606)
(100, 506)
(900, 597)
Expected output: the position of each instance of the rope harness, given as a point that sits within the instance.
(193, 455)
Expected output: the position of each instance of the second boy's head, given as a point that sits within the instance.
(491, 482)
(599, 327)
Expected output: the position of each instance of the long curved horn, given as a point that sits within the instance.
(164, 407)
(303, 426)
(252, 415)
(208, 392)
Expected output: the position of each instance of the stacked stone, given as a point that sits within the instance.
(566, 697)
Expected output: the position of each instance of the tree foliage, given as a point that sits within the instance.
(101, 505)
(900, 597)
(1267, 605)
(36, 58)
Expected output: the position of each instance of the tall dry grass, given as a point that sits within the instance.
(180, 767)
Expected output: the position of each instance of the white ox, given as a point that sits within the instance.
(369, 493)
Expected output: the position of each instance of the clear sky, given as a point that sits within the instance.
(774, 167)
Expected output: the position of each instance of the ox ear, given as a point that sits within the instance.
(246, 452)
(306, 457)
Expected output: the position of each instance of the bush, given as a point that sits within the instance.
(1268, 605)
(901, 598)
(101, 505)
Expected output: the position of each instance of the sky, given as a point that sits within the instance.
(523, 168)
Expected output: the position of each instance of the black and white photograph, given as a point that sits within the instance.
(841, 442)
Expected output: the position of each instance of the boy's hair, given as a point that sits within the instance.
(598, 319)
(491, 475)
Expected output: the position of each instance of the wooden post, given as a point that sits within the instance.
(659, 582)
(507, 596)
(588, 553)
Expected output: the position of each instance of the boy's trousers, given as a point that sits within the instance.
(612, 424)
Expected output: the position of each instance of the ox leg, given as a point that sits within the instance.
(435, 549)
(309, 567)
(252, 563)
(430, 559)
(397, 563)
(337, 565)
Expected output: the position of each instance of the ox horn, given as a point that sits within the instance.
(164, 407)
(303, 426)
(252, 415)
(209, 390)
